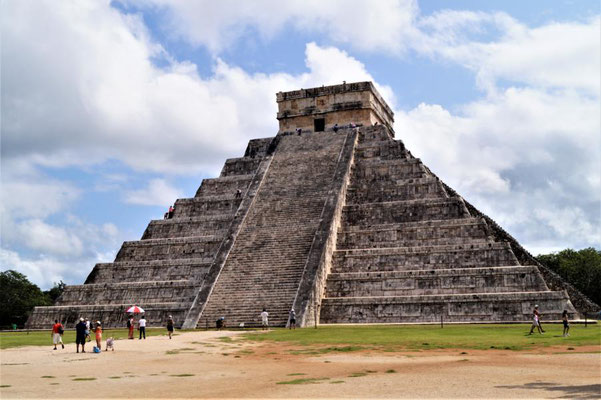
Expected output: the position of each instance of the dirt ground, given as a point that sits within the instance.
(199, 364)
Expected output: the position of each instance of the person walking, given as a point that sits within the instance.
(170, 326)
(536, 321)
(566, 324)
(80, 335)
(265, 319)
(292, 319)
(130, 327)
(98, 335)
(142, 327)
(57, 333)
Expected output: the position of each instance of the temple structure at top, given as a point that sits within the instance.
(322, 108)
(332, 218)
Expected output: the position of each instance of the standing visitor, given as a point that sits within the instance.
(265, 319)
(80, 335)
(536, 321)
(57, 333)
(98, 335)
(142, 327)
(292, 318)
(130, 327)
(170, 326)
(566, 325)
(88, 329)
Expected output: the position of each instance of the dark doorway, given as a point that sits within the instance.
(319, 125)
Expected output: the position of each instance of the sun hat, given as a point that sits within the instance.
(81, 319)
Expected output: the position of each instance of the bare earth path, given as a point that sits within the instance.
(200, 364)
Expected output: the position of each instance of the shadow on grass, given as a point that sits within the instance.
(565, 391)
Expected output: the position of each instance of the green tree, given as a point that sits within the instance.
(56, 291)
(581, 268)
(18, 297)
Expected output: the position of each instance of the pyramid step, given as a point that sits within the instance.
(413, 283)
(475, 307)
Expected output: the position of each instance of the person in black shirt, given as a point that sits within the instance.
(80, 335)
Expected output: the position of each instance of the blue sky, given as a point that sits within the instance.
(112, 110)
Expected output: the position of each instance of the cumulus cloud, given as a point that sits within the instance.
(367, 25)
(97, 94)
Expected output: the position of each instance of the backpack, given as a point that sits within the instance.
(128, 323)
(61, 330)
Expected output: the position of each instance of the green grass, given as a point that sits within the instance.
(43, 338)
(424, 337)
(302, 381)
(357, 374)
(182, 375)
(296, 374)
(83, 379)
(48, 377)
(5, 386)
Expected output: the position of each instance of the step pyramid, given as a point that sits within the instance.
(333, 218)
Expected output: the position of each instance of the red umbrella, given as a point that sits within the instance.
(134, 310)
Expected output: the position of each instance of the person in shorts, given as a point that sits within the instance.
(536, 321)
(292, 319)
(57, 334)
(265, 319)
(80, 335)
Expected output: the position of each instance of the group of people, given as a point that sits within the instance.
(85, 327)
(169, 213)
(83, 331)
(537, 325)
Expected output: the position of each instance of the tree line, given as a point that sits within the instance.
(18, 297)
(581, 268)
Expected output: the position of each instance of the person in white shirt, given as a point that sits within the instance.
(142, 326)
(265, 319)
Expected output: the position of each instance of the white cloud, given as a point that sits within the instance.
(97, 95)
(157, 193)
(367, 25)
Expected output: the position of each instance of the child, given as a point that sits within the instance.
(110, 343)
(566, 325)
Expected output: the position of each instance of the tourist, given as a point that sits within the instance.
(335, 128)
(170, 326)
(292, 318)
(88, 328)
(238, 193)
(566, 325)
(299, 131)
(265, 319)
(130, 327)
(536, 321)
(98, 335)
(80, 335)
(220, 323)
(57, 333)
(142, 327)
(171, 211)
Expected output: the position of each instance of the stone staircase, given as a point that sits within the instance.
(163, 271)
(266, 264)
(409, 251)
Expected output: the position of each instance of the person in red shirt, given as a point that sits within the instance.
(57, 334)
